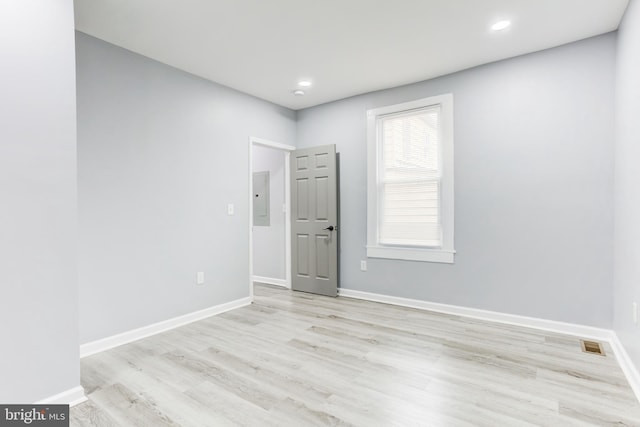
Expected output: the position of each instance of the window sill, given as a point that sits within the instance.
(445, 256)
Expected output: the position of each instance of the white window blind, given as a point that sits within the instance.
(409, 176)
(410, 206)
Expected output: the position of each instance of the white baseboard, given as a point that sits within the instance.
(607, 335)
(126, 337)
(492, 316)
(629, 369)
(71, 397)
(270, 281)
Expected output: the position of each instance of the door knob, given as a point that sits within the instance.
(330, 228)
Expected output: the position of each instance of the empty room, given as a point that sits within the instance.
(292, 213)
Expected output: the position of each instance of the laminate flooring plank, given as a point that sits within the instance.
(172, 374)
(126, 407)
(292, 382)
(89, 414)
(228, 380)
(598, 416)
(178, 406)
(236, 410)
(293, 412)
(285, 361)
(296, 359)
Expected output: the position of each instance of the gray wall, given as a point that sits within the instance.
(627, 182)
(39, 303)
(269, 242)
(533, 186)
(161, 154)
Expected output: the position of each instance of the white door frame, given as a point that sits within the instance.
(286, 149)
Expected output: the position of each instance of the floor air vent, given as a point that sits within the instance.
(592, 347)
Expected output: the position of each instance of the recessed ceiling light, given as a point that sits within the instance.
(304, 83)
(298, 92)
(501, 25)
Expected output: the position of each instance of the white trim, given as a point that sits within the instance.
(287, 218)
(286, 149)
(430, 255)
(135, 334)
(272, 144)
(250, 216)
(374, 249)
(270, 281)
(629, 369)
(492, 316)
(71, 397)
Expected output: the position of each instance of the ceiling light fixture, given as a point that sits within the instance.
(501, 25)
(298, 92)
(304, 83)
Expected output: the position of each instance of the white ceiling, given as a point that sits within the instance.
(345, 47)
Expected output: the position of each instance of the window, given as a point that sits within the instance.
(410, 180)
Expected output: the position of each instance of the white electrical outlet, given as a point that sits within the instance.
(635, 312)
(200, 278)
(363, 265)
(230, 209)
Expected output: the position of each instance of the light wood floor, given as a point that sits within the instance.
(293, 359)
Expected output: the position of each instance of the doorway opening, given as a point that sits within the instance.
(269, 219)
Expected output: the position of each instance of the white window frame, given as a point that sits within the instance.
(445, 253)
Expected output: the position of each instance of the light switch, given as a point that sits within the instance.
(230, 209)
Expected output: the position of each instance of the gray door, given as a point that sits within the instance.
(314, 220)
